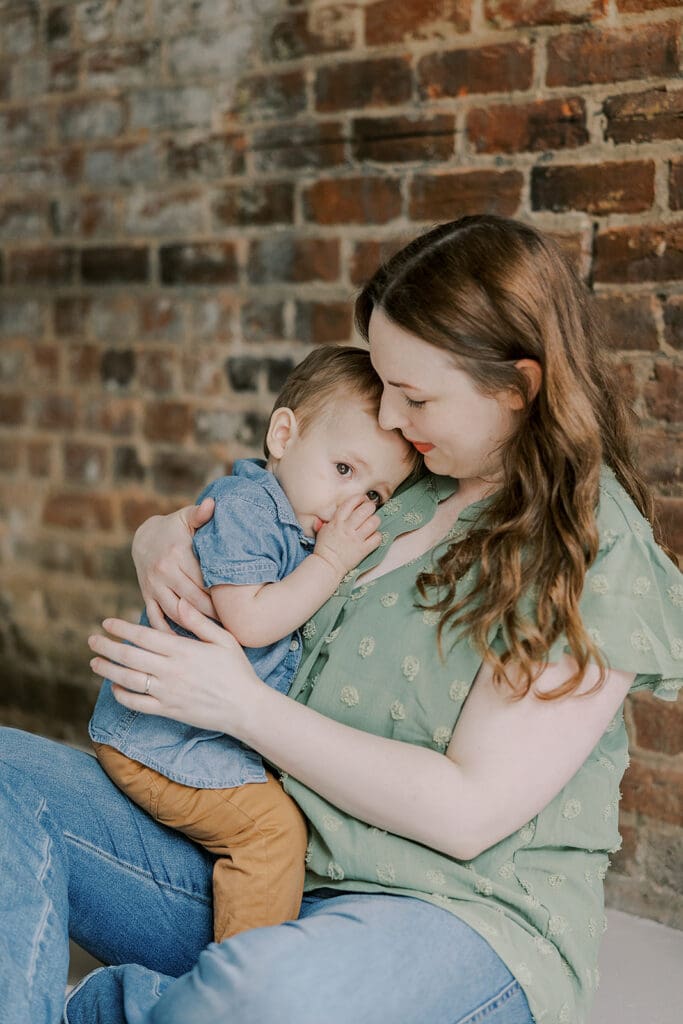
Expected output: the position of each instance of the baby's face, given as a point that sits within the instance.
(343, 452)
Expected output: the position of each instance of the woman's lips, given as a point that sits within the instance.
(421, 447)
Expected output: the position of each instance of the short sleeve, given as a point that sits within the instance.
(242, 543)
(632, 607)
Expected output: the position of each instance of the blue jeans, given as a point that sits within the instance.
(76, 856)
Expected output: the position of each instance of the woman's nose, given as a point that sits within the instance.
(391, 416)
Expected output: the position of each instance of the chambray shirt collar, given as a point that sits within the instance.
(255, 469)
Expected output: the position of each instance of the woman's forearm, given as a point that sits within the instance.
(400, 787)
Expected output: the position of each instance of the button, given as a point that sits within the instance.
(294, 645)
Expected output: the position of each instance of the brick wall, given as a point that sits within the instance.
(189, 195)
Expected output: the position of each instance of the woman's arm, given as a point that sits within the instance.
(505, 762)
(166, 565)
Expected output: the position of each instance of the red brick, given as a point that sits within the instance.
(125, 264)
(199, 263)
(158, 371)
(70, 315)
(369, 255)
(530, 127)
(670, 518)
(503, 68)
(134, 511)
(444, 197)
(161, 318)
(659, 727)
(11, 453)
(658, 458)
(84, 463)
(634, 254)
(673, 321)
(401, 139)
(306, 33)
(39, 456)
(515, 14)
(389, 22)
(664, 393)
(352, 201)
(640, 6)
(286, 258)
(271, 203)
(79, 511)
(167, 421)
(55, 412)
(129, 64)
(266, 97)
(115, 416)
(654, 792)
(181, 473)
(676, 184)
(323, 322)
(214, 157)
(262, 321)
(42, 266)
(589, 57)
(83, 363)
(46, 363)
(644, 116)
(12, 409)
(293, 146)
(63, 72)
(630, 321)
(58, 26)
(364, 83)
(596, 188)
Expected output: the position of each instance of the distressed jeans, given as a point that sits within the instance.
(77, 857)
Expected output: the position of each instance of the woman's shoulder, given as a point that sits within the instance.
(617, 517)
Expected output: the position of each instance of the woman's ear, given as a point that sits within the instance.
(282, 429)
(534, 376)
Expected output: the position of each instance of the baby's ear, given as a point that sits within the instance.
(281, 430)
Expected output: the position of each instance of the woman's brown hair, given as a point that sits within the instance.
(493, 291)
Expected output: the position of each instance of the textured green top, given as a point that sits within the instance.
(370, 661)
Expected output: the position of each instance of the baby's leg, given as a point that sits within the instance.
(256, 831)
(260, 881)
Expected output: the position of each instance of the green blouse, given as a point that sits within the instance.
(370, 661)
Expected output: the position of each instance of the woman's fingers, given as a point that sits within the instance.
(135, 701)
(195, 595)
(200, 514)
(156, 617)
(132, 679)
(136, 658)
(203, 627)
(143, 637)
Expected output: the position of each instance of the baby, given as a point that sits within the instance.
(283, 534)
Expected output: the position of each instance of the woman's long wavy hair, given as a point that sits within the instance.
(493, 291)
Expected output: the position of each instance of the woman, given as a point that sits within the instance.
(455, 738)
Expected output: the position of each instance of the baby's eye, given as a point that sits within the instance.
(413, 404)
(344, 469)
(376, 497)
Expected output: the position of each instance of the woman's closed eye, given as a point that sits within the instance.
(413, 404)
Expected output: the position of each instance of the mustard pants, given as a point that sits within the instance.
(257, 832)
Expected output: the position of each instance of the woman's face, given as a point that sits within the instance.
(436, 405)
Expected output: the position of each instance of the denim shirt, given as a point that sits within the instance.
(253, 537)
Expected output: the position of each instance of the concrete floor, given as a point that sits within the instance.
(641, 966)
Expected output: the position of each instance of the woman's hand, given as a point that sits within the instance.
(166, 565)
(207, 683)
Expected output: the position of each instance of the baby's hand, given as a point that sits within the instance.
(350, 536)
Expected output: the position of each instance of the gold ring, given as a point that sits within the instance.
(148, 683)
